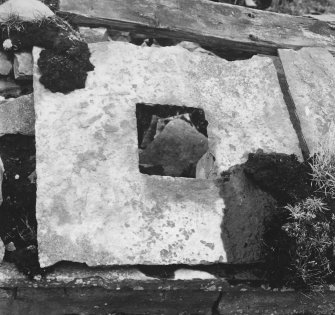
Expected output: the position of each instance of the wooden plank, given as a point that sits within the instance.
(215, 25)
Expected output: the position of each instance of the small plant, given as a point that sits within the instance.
(310, 230)
(12, 23)
(323, 165)
(311, 222)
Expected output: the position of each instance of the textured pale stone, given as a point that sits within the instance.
(310, 73)
(188, 274)
(27, 10)
(94, 35)
(5, 64)
(206, 167)
(2, 250)
(23, 66)
(17, 116)
(94, 206)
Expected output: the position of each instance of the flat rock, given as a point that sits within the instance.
(176, 148)
(23, 66)
(94, 205)
(310, 73)
(206, 167)
(26, 10)
(5, 64)
(8, 88)
(94, 35)
(17, 116)
(2, 251)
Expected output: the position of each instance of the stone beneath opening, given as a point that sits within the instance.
(171, 139)
(94, 205)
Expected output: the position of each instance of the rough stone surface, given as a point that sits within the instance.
(176, 148)
(2, 250)
(27, 10)
(17, 116)
(23, 66)
(310, 73)
(94, 35)
(247, 209)
(206, 167)
(9, 88)
(5, 64)
(93, 205)
(277, 302)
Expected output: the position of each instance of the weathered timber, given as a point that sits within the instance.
(215, 25)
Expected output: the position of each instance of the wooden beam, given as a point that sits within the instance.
(216, 25)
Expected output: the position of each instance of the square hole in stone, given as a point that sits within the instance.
(171, 139)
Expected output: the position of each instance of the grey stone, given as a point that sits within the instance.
(94, 35)
(206, 167)
(17, 116)
(23, 66)
(310, 73)
(247, 208)
(5, 64)
(176, 148)
(194, 47)
(31, 10)
(93, 204)
(150, 133)
(9, 88)
(2, 250)
(121, 36)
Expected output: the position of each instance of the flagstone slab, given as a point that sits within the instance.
(93, 204)
(310, 73)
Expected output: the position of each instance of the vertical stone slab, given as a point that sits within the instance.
(310, 73)
(93, 204)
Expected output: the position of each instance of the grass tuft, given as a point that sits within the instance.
(323, 165)
(310, 230)
(13, 23)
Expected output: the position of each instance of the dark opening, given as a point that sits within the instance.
(171, 139)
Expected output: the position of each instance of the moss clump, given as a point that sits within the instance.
(65, 61)
(281, 175)
(62, 73)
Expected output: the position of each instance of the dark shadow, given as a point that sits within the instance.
(18, 211)
(171, 139)
(291, 106)
(247, 208)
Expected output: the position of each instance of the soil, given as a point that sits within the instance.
(288, 181)
(281, 175)
(18, 210)
(65, 61)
